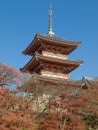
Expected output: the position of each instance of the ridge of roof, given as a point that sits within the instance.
(56, 38)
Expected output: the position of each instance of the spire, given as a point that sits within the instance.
(50, 32)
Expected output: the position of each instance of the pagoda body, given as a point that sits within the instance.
(50, 55)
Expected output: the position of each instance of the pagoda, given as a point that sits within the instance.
(50, 55)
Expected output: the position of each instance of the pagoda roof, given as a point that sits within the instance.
(53, 40)
(38, 60)
(58, 39)
(29, 87)
(58, 80)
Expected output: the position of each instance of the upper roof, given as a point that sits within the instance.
(58, 39)
(53, 40)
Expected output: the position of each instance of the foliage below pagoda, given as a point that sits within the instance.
(67, 108)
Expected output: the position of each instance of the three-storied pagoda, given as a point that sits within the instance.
(50, 55)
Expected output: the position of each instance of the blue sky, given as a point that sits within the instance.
(73, 20)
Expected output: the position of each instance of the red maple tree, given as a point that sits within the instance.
(9, 76)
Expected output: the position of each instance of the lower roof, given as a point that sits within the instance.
(38, 80)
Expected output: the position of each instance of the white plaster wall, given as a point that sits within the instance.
(54, 75)
(51, 54)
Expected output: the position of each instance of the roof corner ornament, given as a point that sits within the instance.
(50, 32)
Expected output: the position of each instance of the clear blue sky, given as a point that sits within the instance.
(75, 20)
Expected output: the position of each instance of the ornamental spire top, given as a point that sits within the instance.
(50, 32)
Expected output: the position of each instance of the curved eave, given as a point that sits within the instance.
(53, 40)
(39, 59)
(58, 61)
(32, 46)
(30, 65)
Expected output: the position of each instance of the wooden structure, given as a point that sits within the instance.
(50, 55)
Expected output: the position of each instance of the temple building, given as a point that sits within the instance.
(50, 55)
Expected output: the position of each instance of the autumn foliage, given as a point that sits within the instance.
(66, 107)
(79, 112)
(9, 76)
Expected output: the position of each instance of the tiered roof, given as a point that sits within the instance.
(48, 42)
(39, 62)
(49, 53)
